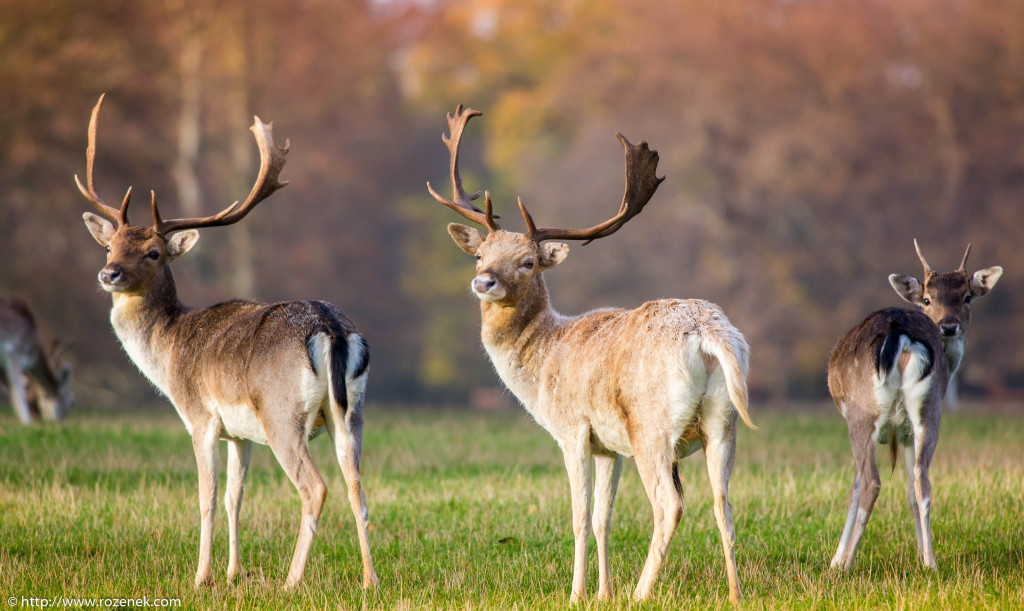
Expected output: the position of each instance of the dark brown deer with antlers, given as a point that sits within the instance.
(38, 382)
(277, 374)
(887, 376)
(656, 383)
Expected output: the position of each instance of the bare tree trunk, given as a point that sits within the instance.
(189, 122)
(243, 281)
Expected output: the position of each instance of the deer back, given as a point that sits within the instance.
(862, 357)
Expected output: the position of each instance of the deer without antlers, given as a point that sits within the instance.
(277, 374)
(657, 383)
(38, 383)
(887, 376)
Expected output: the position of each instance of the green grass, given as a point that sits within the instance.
(471, 510)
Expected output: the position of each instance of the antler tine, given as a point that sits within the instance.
(641, 182)
(462, 202)
(927, 268)
(272, 160)
(121, 216)
(963, 263)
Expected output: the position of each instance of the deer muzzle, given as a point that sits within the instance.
(486, 287)
(949, 326)
(112, 277)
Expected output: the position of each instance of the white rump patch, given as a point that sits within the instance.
(908, 385)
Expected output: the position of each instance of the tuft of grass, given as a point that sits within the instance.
(471, 510)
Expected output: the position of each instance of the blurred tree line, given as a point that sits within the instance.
(805, 144)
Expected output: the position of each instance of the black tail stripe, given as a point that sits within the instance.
(339, 363)
(888, 351)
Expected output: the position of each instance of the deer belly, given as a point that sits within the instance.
(609, 437)
(240, 422)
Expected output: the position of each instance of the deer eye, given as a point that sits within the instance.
(478, 257)
(108, 248)
(154, 255)
(926, 301)
(528, 264)
(967, 298)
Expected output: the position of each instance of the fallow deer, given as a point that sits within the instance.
(276, 374)
(887, 376)
(38, 383)
(657, 383)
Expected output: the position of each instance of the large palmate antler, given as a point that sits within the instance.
(272, 160)
(461, 201)
(641, 183)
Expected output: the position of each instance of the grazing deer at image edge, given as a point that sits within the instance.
(656, 383)
(39, 384)
(276, 374)
(887, 376)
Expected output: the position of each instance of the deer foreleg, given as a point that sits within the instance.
(579, 463)
(239, 453)
(608, 472)
(204, 443)
(16, 385)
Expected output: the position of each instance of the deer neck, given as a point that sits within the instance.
(144, 322)
(954, 349)
(517, 337)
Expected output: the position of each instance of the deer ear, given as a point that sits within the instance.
(101, 229)
(467, 238)
(908, 288)
(553, 253)
(984, 280)
(182, 242)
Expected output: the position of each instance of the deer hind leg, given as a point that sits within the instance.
(925, 440)
(909, 459)
(720, 453)
(239, 453)
(16, 385)
(204, 443)
(608, 470)
(346, 431)
(851, 517)
(291, 448)
(655, 461)
(863, 445)
(579, 464)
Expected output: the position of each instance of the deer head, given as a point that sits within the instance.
(946, 297)
(136, 254)
(509, 263)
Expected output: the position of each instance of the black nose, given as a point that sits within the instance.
(111, 274)
(949, 329)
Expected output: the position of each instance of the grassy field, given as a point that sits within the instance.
(471, 510)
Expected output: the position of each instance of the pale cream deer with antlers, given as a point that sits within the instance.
(38, 382)
(657, 383)
(887, 376)
(276, 374)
